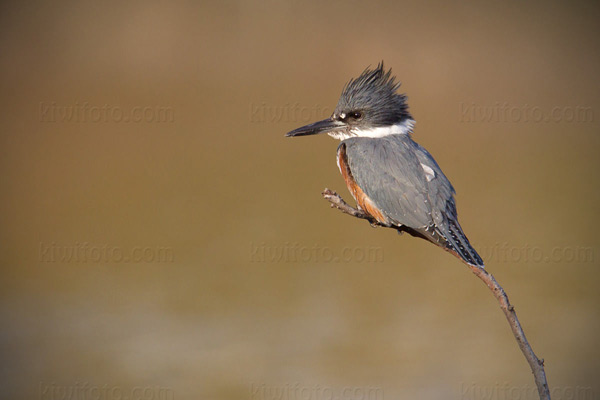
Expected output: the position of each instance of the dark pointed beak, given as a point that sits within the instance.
(327, 125)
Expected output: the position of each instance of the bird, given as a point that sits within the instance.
(394, 180)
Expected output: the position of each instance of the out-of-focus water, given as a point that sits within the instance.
(161, 238)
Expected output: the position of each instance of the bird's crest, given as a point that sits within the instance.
(374, 93)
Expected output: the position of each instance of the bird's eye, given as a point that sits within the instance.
(349, 116)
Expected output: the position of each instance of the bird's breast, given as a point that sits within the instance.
(364, 202)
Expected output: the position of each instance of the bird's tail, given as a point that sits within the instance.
(458, 244)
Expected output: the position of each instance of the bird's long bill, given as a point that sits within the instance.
(327, 125)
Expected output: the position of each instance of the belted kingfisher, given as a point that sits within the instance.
(393, 179)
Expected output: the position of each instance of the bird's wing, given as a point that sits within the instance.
(440, 190)
(445, 218)
(407, 185)
(400, 177)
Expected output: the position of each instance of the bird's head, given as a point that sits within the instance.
(368, 107)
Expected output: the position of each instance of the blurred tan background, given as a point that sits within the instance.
(161, 238)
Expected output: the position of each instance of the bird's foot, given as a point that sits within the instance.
(339, 203)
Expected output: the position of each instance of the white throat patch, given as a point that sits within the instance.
(403, 128)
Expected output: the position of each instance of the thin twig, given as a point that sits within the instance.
(339, 203)
(537, 365)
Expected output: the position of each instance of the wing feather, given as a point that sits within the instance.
(407, 185)
(396, 173)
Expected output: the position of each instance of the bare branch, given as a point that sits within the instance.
(339, 203)
(536, 365)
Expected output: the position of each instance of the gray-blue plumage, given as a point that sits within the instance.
(389, 171)
(409, 188)
(374, 95)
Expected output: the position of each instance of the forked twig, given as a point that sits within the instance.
(537, 365)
